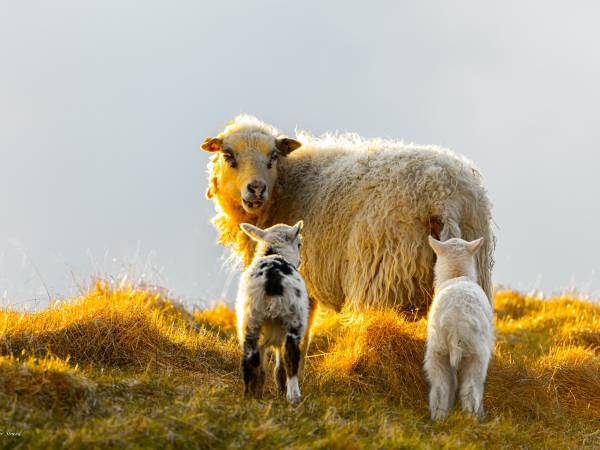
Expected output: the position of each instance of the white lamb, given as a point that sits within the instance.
(272, 309)
(460, 331)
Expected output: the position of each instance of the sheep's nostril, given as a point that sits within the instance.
(257, 188)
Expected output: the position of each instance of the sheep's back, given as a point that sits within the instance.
(367, 213)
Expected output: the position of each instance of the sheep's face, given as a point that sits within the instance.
(244, 169)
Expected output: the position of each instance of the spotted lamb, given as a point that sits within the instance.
(273, 309)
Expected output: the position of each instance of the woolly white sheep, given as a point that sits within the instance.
(273, 309)
(460, 330)
(367, 205)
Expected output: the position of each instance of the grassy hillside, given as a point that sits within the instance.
(127, 368)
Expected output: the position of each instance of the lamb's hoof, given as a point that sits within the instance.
(280, 382)
(253, 395)
(293, 391)
(439, 415)
(294, 399)
(253, 391)
(473, 408)
(480, 415)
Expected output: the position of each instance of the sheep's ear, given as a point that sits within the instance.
(212, 145)
(474, 246)
(438, 247)
(211, 191)
(298, 228)
(254, 232)
(287, 145)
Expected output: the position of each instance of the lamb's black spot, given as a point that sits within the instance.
(276, 269)
(273, 284)
(251, 368)
(250, 363)
(298, 293)
(292, 354)
(284, 266)
(280, 378)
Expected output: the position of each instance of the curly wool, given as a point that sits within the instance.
(367, 206)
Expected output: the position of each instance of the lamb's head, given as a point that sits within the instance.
(455, 258)
(243, 170)
(279, 239)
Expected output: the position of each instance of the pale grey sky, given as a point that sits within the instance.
(103, 106)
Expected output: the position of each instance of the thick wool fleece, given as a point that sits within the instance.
(368, 207)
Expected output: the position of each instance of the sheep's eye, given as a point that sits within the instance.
(299, 244)
(228, 155)
(272, 159)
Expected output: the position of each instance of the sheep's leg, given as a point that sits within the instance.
(443, 384)
(279, 372)
(450, 229)
(291, 362)
(304, 346)
(436, 226)
(473, 371)
(252, 369)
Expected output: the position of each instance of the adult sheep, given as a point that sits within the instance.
(368, 208)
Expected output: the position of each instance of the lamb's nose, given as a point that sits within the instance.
(257, 188)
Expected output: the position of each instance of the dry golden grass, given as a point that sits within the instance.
(48, 382)
(128, 368)
(220, 318)
(123, 328)
(377, 351)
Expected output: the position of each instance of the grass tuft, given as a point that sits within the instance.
(125, 328)
(377, 351)
(49, 383)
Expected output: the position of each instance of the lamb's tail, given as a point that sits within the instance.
(455, 351)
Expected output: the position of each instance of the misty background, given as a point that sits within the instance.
(103, 106)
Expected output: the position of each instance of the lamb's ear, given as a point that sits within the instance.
(474, 246)
(212, 145)
(438, 247)
(298, 228)
(254, 232)
(287, 145)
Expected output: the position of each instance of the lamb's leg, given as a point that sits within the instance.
(443, 384)
(254, 376)
(291, 361)
(472, 373)
(279, 372)
(305, 344)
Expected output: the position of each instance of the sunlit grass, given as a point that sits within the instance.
(129, 368)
